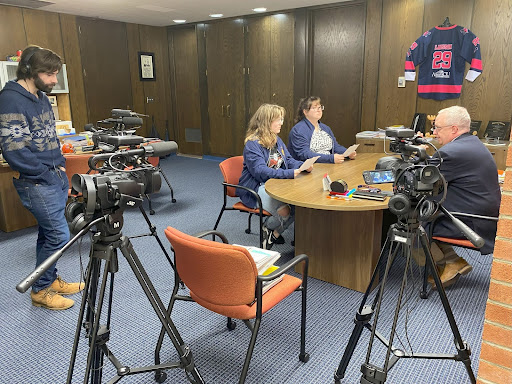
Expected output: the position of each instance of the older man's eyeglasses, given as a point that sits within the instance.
(318, 108)
(439, 127)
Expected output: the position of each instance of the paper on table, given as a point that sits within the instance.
(350, 150)
(308, 163)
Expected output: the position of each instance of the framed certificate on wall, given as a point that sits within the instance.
(147, 66)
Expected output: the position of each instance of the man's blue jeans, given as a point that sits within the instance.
(47, 202)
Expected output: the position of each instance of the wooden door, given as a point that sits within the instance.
(226, 89)
(106, 68)
(337, 67)
(269, 57)
(186, 85)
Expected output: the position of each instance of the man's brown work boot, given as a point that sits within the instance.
(64, 288)
(49, 299)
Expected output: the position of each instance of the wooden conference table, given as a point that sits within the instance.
(341, 237)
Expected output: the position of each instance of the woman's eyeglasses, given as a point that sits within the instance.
(318, 108)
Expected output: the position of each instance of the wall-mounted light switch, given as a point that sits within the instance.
(401, 82)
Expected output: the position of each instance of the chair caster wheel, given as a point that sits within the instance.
(304, 357)
(173, 200)
(160, 376)
(247, 231)
(151, 212)
(231, 325)
(423, 295)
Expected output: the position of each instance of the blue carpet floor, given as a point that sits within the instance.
(37, 343)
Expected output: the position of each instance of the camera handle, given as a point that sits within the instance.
(27, 282)
(400, 237)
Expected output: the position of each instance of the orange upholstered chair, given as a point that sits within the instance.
(461, 243)
(231, 171)
(223, 278)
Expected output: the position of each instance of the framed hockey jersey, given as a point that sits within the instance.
(442, 53)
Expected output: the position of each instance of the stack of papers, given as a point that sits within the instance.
(269, 284)
(370, 134)
(264, 260)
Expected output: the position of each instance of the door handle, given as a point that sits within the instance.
(223, 115)
(228, 110)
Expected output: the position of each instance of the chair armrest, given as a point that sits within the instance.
(212, 232)
(252, 191)
(285, 267)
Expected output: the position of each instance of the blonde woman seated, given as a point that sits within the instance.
(266, 157)
(310, 137)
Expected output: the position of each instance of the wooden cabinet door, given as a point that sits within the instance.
(281, 67)
(188, 109)
(337, 51)
(226, 88)
(269, 57)
(106, 67)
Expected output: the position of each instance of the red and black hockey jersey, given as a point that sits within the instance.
(441, 54)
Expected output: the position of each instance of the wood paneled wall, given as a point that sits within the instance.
(489, 97)
(20, 27)
(391, 26)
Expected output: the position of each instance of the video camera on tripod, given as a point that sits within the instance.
(116, 131)
(416, 182)
(123, 178)
(415, 177)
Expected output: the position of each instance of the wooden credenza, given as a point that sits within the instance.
(13, 215)
(378, 145)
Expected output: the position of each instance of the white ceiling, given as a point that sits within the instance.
(163, 12)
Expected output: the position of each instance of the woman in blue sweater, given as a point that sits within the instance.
(266, 157)
(309, 137)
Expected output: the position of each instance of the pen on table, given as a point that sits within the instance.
(338, 197)
(351, 192)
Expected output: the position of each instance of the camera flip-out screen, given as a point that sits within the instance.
(379, 176)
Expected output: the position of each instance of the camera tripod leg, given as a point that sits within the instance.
(371, 372)
(160, 340)
(95, 355)
(463, 349)
(168, 183)
(364, 314)
(92, 269)
(106, 251)
(185, 355)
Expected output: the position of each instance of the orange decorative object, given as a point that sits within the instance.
(67, 148)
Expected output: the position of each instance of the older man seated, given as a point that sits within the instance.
(472, 178)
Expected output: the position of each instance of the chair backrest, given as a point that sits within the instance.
(77, 164)
(218, 273)
(231, 171)
(154, 161)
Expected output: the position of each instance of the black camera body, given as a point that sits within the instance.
(117, 131)
(124, 177)
(415, 178)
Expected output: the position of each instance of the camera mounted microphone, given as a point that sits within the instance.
(116, 112)
(125, 120)
(157, 149)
